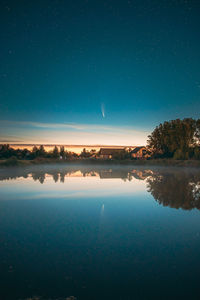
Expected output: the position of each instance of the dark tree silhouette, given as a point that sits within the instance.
(85, 153)
(55, 152)
(41, 151)
(62, 152)
(34, 152)
(175, 138)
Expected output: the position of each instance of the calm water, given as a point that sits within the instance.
(99, 233)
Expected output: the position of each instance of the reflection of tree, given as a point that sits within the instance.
(173, 188)
(62, 177)
(55, 176)
(176, 189)
(38, 176)
(38, 173)
(42, 178)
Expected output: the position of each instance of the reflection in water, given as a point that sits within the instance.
(96, 233)
(61, 174)
(101, 223)
(176, 188)
(102, 209)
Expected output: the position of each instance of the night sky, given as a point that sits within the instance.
(96, 72)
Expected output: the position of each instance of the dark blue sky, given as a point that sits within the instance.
(62, 61)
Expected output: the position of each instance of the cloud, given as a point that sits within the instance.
(10, 139)
(72, 133)
(66, 126)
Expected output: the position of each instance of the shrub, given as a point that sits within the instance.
(12, 161)
(196, 153)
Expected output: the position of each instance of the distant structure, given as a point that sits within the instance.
(140, 152)
(136, 153)
(108, 153)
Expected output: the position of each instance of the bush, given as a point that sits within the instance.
(196, 153)
(12, 161)
(180, 154)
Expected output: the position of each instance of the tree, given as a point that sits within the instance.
(55, 153)
(174, 138)
(197, 132)
(41, 151)
(5, 151)
(93, 153)
(26, 153)
(62, 151)
(180, 154)
(197, 153)
(34, 152)
(85, 153)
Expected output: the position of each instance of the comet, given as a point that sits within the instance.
(103, 110)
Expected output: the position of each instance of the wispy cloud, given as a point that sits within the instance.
(68, 126)
(75, 133)
(12, 140)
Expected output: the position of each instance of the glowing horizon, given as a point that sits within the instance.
(76, 134)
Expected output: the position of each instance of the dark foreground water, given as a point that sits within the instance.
(99, 233)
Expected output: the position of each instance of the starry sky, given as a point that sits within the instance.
(95, 71)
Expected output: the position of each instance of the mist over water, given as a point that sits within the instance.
(99, 232)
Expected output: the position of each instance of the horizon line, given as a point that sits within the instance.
(68, 145)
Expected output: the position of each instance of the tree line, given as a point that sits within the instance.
(37, 152)
(176, 139)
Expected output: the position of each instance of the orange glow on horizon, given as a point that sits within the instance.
(76, 149)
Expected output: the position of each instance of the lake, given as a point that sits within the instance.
(91, 232)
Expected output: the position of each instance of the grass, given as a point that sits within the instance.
(13, 161)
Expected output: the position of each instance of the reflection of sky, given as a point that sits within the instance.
(109, 232)
(73, 187)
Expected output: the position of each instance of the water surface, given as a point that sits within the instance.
(99, 233)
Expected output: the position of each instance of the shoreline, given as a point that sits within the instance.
(152, 162)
